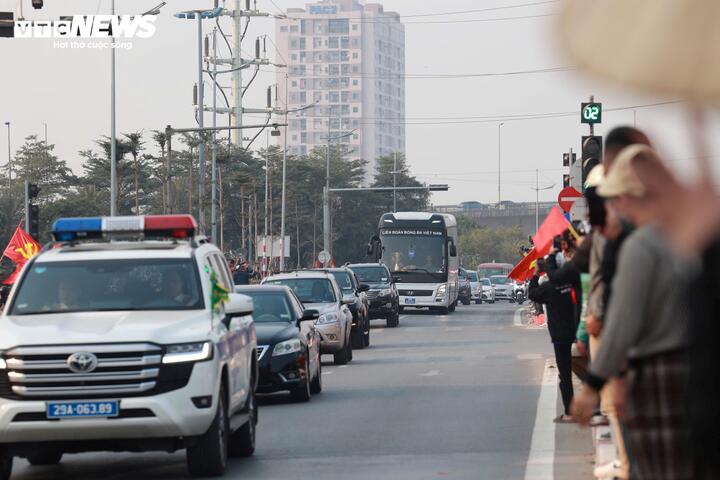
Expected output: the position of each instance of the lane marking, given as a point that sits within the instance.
(541, 458)
(378, 330)
(530, 356)
(431, 373)
(325, 372)
(454, 329)
(342, 366)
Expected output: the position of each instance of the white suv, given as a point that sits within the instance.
(122, 337)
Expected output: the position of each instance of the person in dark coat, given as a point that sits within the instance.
(560, 300)
(243, 273)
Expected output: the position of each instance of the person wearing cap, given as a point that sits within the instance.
(607, 237)
(645, 327)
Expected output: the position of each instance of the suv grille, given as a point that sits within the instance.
(372, 294)
(261, 349)
(123, 370)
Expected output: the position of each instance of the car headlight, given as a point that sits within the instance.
(187, 352)
(327, 318)
(385, 292)
(3, 365)
(288, 346)
(442, 289)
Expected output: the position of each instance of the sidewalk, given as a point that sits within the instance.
(577, 449)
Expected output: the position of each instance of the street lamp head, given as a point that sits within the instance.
(7, 123)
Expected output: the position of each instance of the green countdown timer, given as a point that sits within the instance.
(591, 112)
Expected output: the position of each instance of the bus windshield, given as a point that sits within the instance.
(412, 253)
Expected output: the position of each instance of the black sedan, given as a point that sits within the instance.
(287, 341)
(383, 295)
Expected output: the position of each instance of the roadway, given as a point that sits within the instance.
(456, 397)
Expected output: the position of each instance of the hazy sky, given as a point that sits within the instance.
(70, 91)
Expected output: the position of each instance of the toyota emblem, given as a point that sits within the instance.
(410, 293)
(82, 362)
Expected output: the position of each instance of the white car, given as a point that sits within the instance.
(121, 337)
(488, 291)
(503, 287)
(475, 286)
(319, 291)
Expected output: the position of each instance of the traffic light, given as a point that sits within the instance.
(566, 180)
(33, 191)
(591, 155)
(34, 221)
(32, 210)
(37, 4)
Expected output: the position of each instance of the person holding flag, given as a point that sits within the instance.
(21, 248)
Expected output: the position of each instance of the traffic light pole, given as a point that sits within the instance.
(27, 206)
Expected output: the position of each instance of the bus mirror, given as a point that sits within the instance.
(453, 250)
(370, 249)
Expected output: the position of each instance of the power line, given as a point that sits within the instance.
(413, 76)
(461, 12)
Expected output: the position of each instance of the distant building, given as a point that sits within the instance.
(348, 57)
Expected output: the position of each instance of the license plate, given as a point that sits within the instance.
(105, 408)
(409, 301)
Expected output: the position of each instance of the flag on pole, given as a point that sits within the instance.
(525, 268)
(555, 224)
(21, 248)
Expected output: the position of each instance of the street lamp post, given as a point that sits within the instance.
(113, 134)
(45, 125)
(326, 190)
(499, 150)
(284, 162)
(9, 154)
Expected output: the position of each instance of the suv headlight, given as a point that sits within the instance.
(187, 352)
(288, 346)
(385, 292)
(327, 318)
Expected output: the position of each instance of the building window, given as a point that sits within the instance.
(283, 28)
(355, 83)
(355, 27)
(355, 55)
(356, 109)
(333, 42)
(294, 83)
(340, 25)
(293, 28)
(293, 56)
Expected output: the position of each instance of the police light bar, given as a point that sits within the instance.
(149, 226)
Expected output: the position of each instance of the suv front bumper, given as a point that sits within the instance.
(171, 414)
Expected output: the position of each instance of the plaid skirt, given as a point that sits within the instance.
(657, 417)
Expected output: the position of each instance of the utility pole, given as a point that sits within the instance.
(237, 135)
(113, 139)
(394, 182)
(499, 145)
(537, 201)
(45, 124)
(326, 197)
(213, 181)
(284, 162)
(201, 124)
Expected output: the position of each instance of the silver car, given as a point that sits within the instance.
(319, 291)
(475, 287)
(488, 292)
(503, 287)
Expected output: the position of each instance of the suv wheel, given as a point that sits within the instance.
(6, 464)
(208, 457)
(342, 357)
(452, 306)
(242, 442)
(45, 457)
(350, 350)
(393, 320)
(316, 385)
(302, 393)
(357, 335)
(366, 334)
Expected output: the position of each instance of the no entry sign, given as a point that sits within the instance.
(567, 197)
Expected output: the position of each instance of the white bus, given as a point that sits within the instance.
(420, 249)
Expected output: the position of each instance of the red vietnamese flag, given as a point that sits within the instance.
(555, 224)
(525, 268)
(21, 248)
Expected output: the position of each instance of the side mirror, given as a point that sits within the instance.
(238, 305)
(363, 287)
(396, 279)
(370, 249)
(453, 250)
(310, 315)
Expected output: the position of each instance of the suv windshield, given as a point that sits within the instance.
(108, 285)
(309, 290)
(499, 280)
(343, 281)
(371, 274)
(473, 276)
(270, 307)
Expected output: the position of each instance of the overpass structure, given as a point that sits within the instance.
(504, 214)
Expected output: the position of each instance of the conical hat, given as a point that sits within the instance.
(669, 47)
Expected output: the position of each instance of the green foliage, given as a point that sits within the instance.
(142, 189)
(482, 244)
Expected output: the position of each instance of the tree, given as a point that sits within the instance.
(407, 201)
(135, 146)
(36, 163)
(482, 244)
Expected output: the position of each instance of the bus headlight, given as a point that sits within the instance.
(441, 292)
